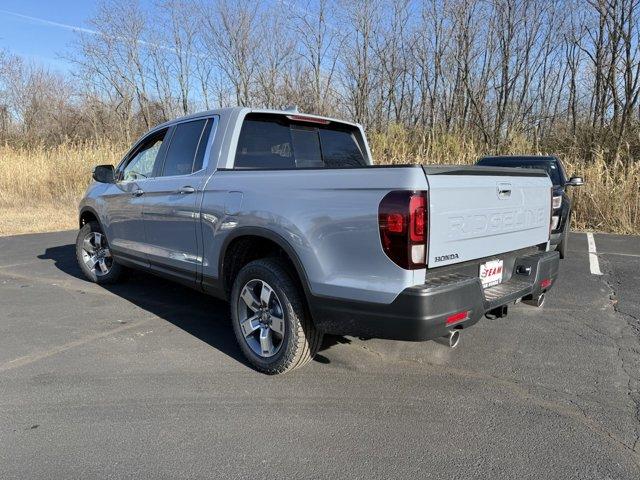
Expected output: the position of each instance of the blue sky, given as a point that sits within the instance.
(44, 38)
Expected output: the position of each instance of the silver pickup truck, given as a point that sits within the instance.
(285, 216)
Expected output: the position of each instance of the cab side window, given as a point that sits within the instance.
(186, 148)
(141, 163)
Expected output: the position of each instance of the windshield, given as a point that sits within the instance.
(550, 166)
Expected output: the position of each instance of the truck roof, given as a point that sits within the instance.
(241, 112)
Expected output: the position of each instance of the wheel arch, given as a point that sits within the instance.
(258, 234)
(88, 214)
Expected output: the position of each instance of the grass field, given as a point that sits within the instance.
(40, 186)
(609, 201)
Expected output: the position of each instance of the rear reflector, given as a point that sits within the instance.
(546, 283)
(457, 317)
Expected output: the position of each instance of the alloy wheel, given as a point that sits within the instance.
(261, 318)
(96, 254)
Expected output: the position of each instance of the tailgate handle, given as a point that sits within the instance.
(504, 190)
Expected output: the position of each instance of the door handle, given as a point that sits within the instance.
(137, 193)
(186, 190)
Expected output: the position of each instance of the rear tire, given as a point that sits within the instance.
(270, 320)
(94, 256)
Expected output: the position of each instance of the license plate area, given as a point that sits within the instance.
(491, 273)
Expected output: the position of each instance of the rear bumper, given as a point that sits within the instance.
(421, 312)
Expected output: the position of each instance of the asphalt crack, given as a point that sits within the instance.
(626, 351)
(527, 392)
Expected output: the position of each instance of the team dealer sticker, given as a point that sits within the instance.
(491, 273)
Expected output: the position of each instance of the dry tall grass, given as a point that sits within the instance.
(40, 187)
(608, 202)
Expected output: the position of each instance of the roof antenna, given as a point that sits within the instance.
(292, 109)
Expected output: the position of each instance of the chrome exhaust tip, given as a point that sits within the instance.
(451, 339)
(536, 302)
(454, 338)
(541, 299)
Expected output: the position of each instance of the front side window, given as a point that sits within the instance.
(554, 173)
(186, 150)
(141, 164)
(562, 175)
(270, 141)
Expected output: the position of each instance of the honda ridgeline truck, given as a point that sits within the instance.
(286, 216)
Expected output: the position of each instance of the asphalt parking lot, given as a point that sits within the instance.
(144, 380)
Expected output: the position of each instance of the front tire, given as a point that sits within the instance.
(94, 256)
(270, 320)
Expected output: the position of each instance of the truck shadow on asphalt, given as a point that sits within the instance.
(198, 314)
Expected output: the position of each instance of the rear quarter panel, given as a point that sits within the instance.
(328, 217)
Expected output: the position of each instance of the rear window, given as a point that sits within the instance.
(273, 141)
(340, 148)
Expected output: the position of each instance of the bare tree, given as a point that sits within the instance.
(230, 32)
(319, 46)
(488, 70)
(359, 68)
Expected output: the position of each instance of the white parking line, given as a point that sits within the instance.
(594, 265)
(621, 254)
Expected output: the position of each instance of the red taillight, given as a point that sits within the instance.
(395, 223)
(457, 317)
(417, 216)
(402, 219)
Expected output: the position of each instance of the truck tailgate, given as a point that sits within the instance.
(476, 212)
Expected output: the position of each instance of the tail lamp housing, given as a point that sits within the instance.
(403, 224)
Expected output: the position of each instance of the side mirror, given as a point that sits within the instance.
(575, 182)
(104, 174)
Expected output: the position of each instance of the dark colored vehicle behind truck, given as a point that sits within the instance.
(561, 219)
